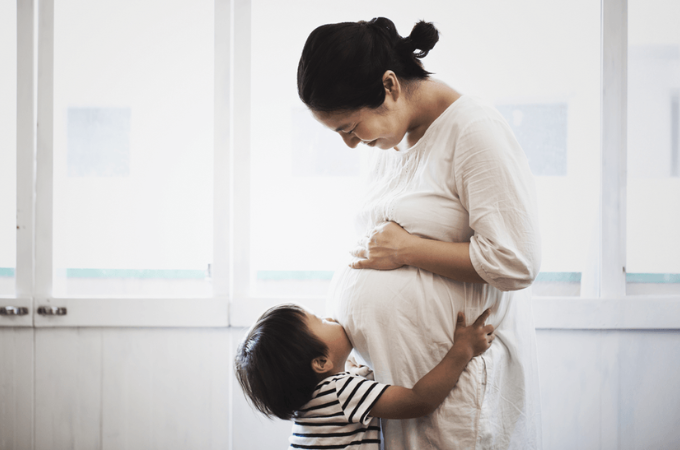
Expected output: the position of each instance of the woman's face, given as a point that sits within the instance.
(373, 127)
(383, 127)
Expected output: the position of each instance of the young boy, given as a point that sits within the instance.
(291, 364)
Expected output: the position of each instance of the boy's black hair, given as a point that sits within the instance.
(274, 361)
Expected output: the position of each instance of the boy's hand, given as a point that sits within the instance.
(355, 368)
(427, 394)
(475, 339)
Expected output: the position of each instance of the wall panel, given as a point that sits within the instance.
(649, 409)
(16, 388)
(112, 388)
(68, 389)
(165, 389)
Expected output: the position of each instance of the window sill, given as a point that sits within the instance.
(629, 313)
(639, 312)
(122, 312)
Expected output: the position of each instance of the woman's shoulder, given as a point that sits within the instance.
(467, 117)
(469, 109)
(472, 119)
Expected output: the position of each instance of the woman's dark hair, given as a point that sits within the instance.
(274, 361)
(342, 64)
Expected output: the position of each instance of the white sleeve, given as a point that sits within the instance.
(495, 185)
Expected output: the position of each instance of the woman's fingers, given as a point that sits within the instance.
(377, 250)
(359, 252)
(482, 318)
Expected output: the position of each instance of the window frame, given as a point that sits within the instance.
(34, 270)
(603, 303)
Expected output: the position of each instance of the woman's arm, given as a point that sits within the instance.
(492, 181)
(401, 403)
(390, 247)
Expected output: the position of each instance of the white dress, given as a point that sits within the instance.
(466, 180)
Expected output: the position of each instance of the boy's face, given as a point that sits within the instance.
(331, 333)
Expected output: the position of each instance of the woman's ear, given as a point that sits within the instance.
(392, 85)
(322, 365)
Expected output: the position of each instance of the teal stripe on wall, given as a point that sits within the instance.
(545, 277)
(559, 277)
(320, 275)
(653, 277)
(279, 275)
(132, 273)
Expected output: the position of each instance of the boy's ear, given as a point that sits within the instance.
(321, 365)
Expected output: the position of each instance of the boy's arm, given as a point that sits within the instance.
(402, 403)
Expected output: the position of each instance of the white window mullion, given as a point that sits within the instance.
(25, 163)
(241, 151)
(25, 146)
(614, 119)
(44, 168)
(222, 166)
(613, 195)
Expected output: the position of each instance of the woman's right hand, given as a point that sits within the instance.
(476, 338)
(383, 248)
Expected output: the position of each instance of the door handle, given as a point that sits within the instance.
(13, 311)
(52, 311)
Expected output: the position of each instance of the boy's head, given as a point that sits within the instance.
(284, 356)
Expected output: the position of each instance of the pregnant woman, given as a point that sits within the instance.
(448, 224)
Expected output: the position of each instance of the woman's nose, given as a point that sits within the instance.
(351, 140)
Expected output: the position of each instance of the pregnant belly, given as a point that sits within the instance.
(403, 317)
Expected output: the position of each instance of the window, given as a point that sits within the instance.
(177, 174)
(133, 148)
(541, 130)
(653, 241)
(8, 144)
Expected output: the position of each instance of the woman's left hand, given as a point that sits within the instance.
(383, 248)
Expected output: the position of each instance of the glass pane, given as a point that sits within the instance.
(538, 62)
(8, 129)
(653, 245)
(133, 145)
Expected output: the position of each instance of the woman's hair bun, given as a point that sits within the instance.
(423, 37)
(342, 64)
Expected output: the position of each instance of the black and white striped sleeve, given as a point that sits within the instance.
(357, 396)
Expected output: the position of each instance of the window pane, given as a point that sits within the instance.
(8, 128)
(133, 145)
(653, 265)
(538, 62)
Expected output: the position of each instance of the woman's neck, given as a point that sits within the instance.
(427, 100)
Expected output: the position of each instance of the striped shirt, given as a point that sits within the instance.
(337, 416)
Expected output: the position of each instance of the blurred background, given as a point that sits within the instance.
(139, 135)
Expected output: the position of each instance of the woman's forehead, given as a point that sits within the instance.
(337, 120)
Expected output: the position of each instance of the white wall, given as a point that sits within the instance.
(171, 389)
